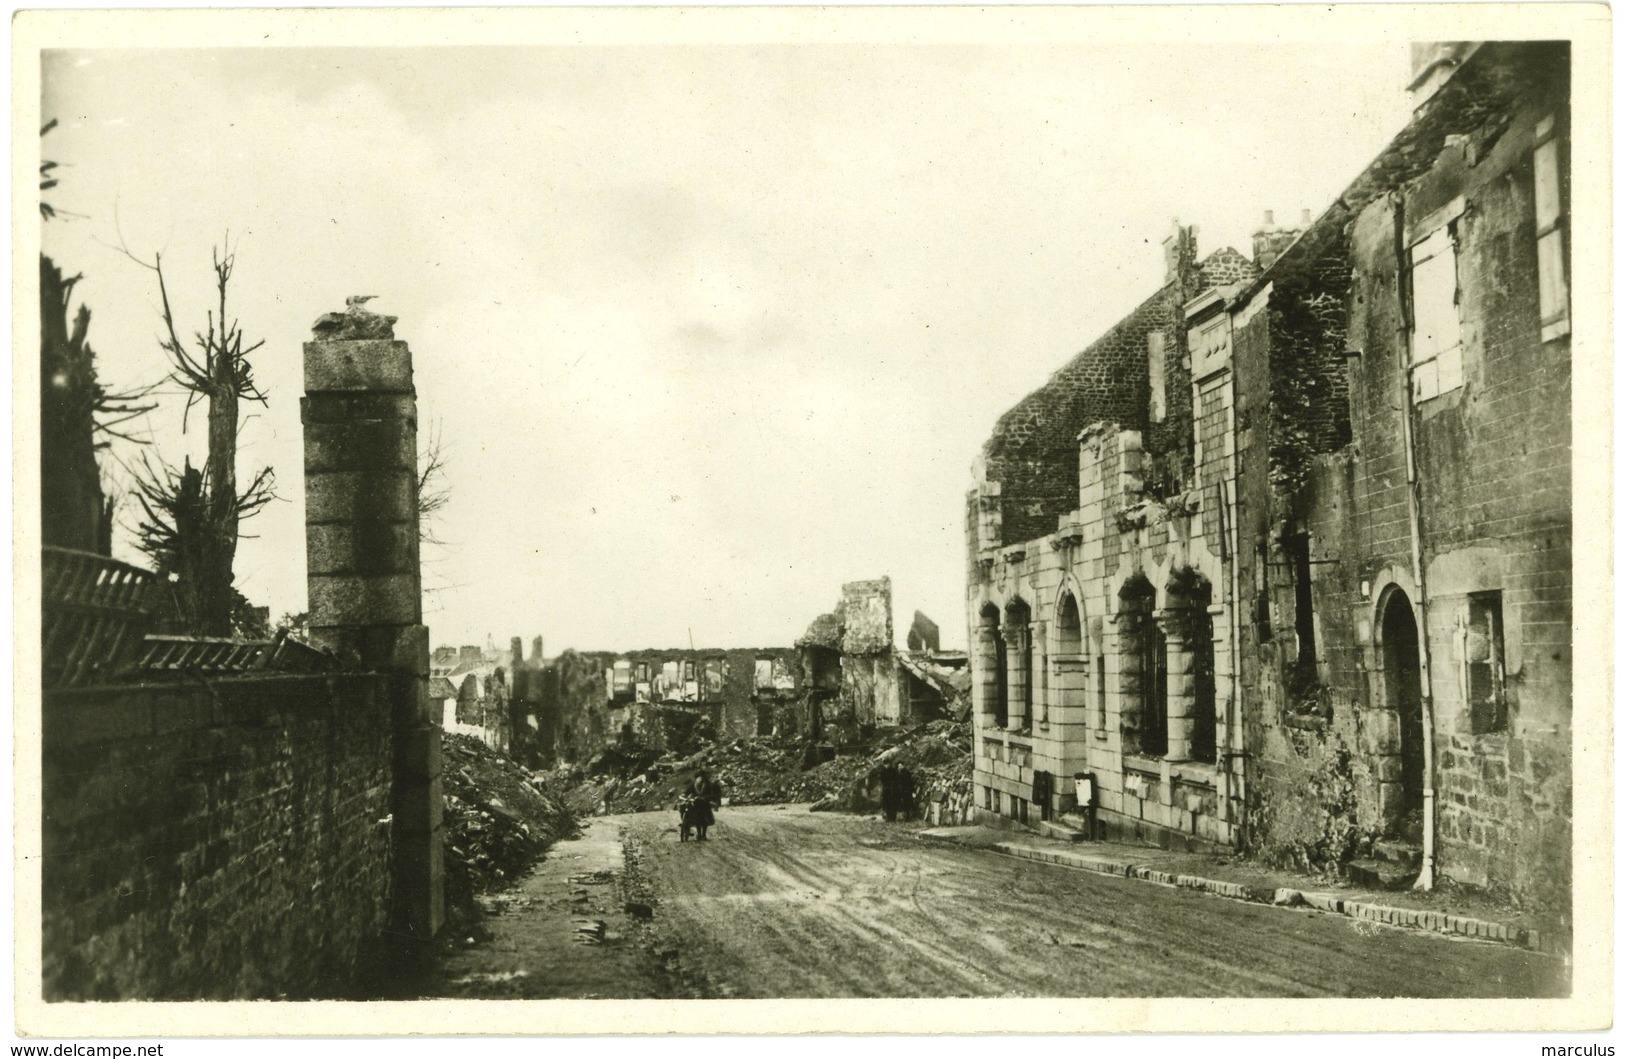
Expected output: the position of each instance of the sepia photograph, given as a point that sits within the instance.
(860, 506)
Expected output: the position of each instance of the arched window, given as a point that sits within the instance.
(1143, 669)
(1018, 644)
(1070, 664)
(990, 668)
(1186, 643)
(1190, 639)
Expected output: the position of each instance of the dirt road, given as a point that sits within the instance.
(786, 903)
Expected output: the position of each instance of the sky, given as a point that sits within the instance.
(704, 331)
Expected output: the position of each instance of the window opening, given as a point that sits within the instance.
(1154, 691)
(1549, 225)
(1296, 546)
(1435, 317)
(1100, 692)
(1486, 666)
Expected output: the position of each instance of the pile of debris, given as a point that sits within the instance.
(937, 756)
(500, 818)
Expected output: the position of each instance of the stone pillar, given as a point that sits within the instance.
(1181, 686)
(985, 666)
(361, 521)
(1123, 663)
(1017, 663)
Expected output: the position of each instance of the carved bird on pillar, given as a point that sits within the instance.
(355, 322)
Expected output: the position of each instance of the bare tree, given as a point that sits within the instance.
(434, 490)
(78, 415)
(46, 180)
(193, 516)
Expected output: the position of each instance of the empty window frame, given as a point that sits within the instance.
(1435, 366)
(1486, 665)
(1157, 365)
(1549, 230)
(1100, 694)
(1153, 647)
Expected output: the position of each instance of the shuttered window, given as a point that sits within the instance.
(1549, 224)
(1435, 317)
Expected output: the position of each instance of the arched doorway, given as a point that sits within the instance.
(1402, 675)
(1069, 663)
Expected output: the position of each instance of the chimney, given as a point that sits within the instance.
(536, 652)
(361, 521)
(1271, 239)
(1433, 63)
(516, 652)
(469, 655)
(1179, 251)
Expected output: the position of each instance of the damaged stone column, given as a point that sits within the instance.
(1181, 692)
(361, 531)
(1018, 666)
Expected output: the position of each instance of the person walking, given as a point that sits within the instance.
(706, 793)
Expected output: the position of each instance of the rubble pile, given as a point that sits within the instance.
(938, 758)
(500, 818)
(763, 772)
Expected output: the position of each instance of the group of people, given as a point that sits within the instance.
(696, 808)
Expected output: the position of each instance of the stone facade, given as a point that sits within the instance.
(1307, 590)
(1099, 646)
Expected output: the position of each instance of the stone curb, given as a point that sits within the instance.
(1415, 918)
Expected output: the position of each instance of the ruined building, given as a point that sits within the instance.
(1282, 560)
(856, 677)
(583, 701)
(840, 681)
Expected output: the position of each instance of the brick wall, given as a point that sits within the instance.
(226, 840)
(1495, 467)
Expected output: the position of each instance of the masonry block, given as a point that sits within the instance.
(351, 600)
(361, 547)
(337, 407)
(388, 648)
(1387, 768)
(420, 882)
(375, 365)
(361, 445)
(348, 496)
(1379, 732)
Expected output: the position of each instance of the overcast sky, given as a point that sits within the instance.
(706, 330)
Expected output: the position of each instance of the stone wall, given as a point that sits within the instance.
(589, 703)
(1141, 504)
(220, 840)
(1334, 764)
(1033, 453)
(1495, 465)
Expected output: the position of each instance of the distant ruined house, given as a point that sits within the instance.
(858, 680)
